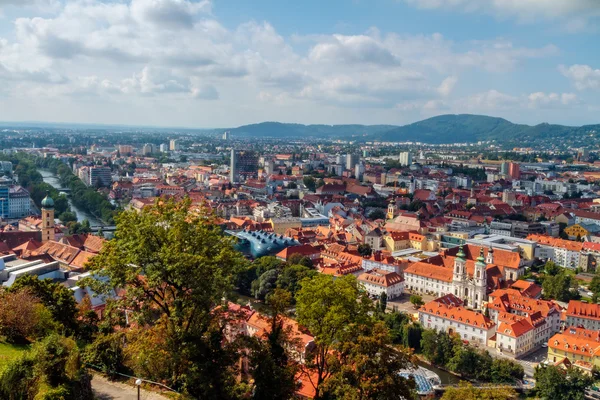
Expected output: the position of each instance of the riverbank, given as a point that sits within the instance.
(53, 180)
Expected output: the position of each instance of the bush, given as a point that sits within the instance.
(23, 317)
(106, 353)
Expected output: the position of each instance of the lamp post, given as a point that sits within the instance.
(138, 383)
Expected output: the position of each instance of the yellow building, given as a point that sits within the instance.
(396, 241)
(580, 346)
(418, 241)
(581, 230)
(281, 225)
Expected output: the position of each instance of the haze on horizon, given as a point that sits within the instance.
(228, 63)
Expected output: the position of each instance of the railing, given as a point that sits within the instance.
(100, 369)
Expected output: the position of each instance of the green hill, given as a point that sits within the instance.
(460, 128)
(472, 128)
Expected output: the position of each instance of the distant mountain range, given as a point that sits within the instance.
(279, 129)
(437, 130)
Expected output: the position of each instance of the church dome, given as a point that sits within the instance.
(47, 202)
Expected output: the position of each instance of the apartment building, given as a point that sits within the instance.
(447, 314)
(583, 314)
(377, 281)
(580, 346)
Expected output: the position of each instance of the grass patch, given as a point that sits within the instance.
(9, 352)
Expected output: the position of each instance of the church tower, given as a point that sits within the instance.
(490, 255)
(460, 278)
(47, 218)
(391, 212)
(479, 281)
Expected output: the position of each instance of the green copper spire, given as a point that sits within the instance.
(481, 258)
(461, 253)
(47, 202)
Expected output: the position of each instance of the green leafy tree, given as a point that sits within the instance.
(411, 336)
(299, 259)
(265, 284)
(560, 287)
(439, 347)
(250, 272)
(368, 368)
(106, 353)
(56, 297)
(52, 369)
(23, 317)
(383, 302)
(270, 364)
(365, 250)
(377, 214)
(175, 266)
(506, 371)
(292, 275)
(552, 268)
(331, 310)
(416, 300)
(310, 183)
(396, 321)
(552, 383)
(466, 391)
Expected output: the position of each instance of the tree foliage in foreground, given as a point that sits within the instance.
(354, 357)
(553, 383)
(466, 391)
(52, 369)
(175, 267)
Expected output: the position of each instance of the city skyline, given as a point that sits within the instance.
(225, 64)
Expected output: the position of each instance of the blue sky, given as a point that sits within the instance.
(224, 63)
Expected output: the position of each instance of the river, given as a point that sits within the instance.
(53, 181)
(445, 377)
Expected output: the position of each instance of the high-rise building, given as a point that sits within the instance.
(405, 158)
(47, 219)
(583, 154)
(339, 159)
(4, 198)
(125, 149)
(174, 145)
(6, 166)
(514, 171)
(226, 135)
(504, 168)
(19, 202)
(244, 165)
(147, 149)
(351, 161)
(99, 176)
(268, 167)
(164, 148)
(359, 170)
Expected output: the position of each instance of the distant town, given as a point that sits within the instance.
(495, 246)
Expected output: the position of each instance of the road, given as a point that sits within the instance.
(529, 362)
(107, 390)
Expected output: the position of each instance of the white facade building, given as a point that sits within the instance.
(378, 281)
(446, 314)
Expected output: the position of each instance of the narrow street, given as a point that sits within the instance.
(107, 390)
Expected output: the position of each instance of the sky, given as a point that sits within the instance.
(225, 63)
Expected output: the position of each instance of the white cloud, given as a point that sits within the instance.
(575, 13)
(353, 49)
(162, 53)
(541, 99)
(582, 76)
(447, 86)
